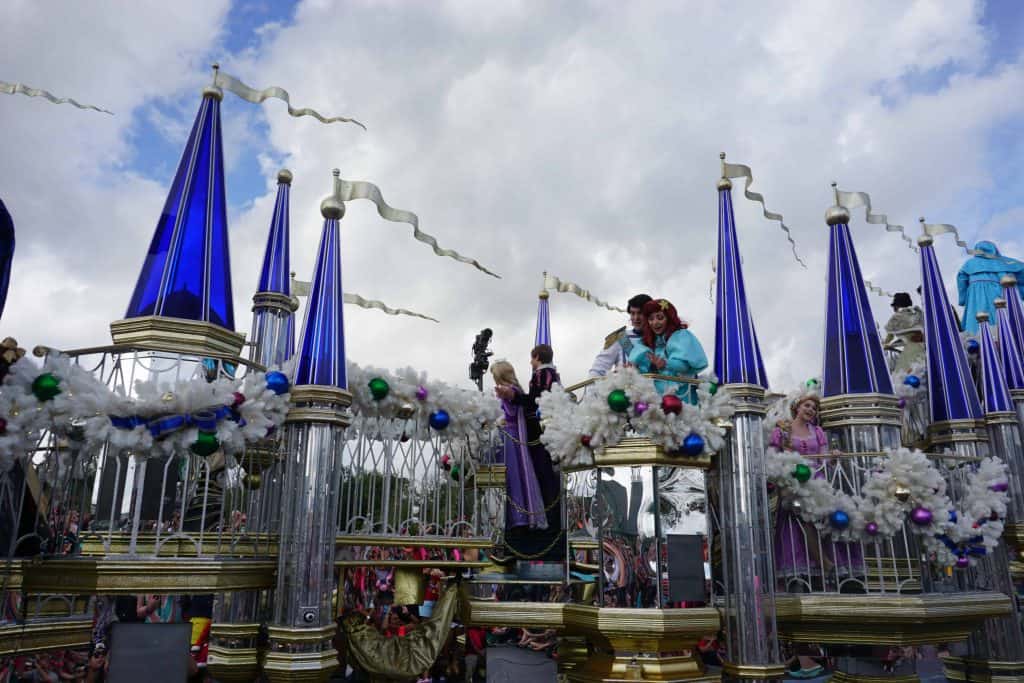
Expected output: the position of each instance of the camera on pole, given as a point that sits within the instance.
(480, 355)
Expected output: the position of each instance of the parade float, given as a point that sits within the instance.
(294, 491)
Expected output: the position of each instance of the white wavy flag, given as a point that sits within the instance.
(853, 200)
(301, 288)
(249, 94)
(29, 91)
(552, 282)
(347, 190)
(742, 171)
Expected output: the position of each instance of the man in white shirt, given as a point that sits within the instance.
(619, 343)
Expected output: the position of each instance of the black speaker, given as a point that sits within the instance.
(154, 653)
(686, 568)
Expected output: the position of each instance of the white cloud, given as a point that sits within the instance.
(581, 139)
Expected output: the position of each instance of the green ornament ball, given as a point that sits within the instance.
(801, 473)
(712, 388)
(379, 388)
(205, 444)
(455, 473)
(45, 386)
(618, 401)
(811, 383)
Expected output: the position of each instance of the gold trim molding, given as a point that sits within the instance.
(490, 476)
(438, 542)
(303, 667)
(966, 669)
(881, 619)
(303, 636)
(274, 300)
(755, 671)
(51, 635)
(856, 410)
(639, 451)
(957, 431)
(179, 335)
(261, 545)
(89, 576)
(316, 403)
(843, 677)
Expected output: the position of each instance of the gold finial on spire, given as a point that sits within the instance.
(213, 90)
(544, 287)
(837, 214)
(925, 240)
(332, 206)
(723, 183)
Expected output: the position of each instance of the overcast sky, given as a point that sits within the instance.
(580, 138)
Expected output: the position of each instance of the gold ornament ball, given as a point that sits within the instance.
(167, 397)
(253, 481)
(406, 411)
(902, 493)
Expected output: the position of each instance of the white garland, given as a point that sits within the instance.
(916, 476)
(83, 409)
(904, 390)
(566, 421)
(470, 412)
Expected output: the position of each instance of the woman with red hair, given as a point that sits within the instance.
(668, 348)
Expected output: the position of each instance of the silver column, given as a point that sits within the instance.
(303, 622)
(748, 572)
(273, 328)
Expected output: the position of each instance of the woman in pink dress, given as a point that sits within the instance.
(797, 545)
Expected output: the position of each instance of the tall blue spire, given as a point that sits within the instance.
(737, 353)
(1015, 313)
(543, 333)
(275, 276)
(995, 393)
(854, 362)
(273, 321)
(950, 386)
(187, 271)
(1009, 349)
(322, 351)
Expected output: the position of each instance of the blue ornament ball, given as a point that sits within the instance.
(973, 346)
(912, 381)
(952, 516)
(839, 520)
(693, 444)
(439, 419)
(277, 382)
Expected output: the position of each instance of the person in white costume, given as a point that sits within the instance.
(619, 343)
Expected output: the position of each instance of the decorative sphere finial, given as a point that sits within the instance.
(331, 206)
(1008, 280)
(999, 302)
(721, 155)
(981, 316)
(284, 177)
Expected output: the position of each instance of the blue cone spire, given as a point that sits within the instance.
(322, 351)
(1009, 349)
(995, 393)
(737, 353)
(187, 271)
(1015, 313)
(854, 362)
(543, 334)
(275, 275)
(950, 386)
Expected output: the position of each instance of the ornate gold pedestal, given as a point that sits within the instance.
(843, 677)
(964, 669)
(233, 653)
(299, 654)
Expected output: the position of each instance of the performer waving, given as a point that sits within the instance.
(667, 348)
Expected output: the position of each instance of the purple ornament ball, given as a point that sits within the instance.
(902, 403)
(871, 529)
(421, 393)
(921, 516)
(963, 562)
(640, 407)
(1000, 487)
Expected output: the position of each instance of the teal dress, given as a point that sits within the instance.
(684, 357)
(978, 285)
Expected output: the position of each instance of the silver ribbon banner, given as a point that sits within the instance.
(877, 290)
(936, 229)
(229, 82)
(714, 274)
(28, 91)
(346, 190)
(552, 282)
(742, 171)
(301, 288)
(852, 200)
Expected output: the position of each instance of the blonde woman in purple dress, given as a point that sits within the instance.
(797, 545)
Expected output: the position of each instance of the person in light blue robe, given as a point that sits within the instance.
(668, 348)
(978, 282)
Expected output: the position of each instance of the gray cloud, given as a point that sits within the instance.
(578, 138)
